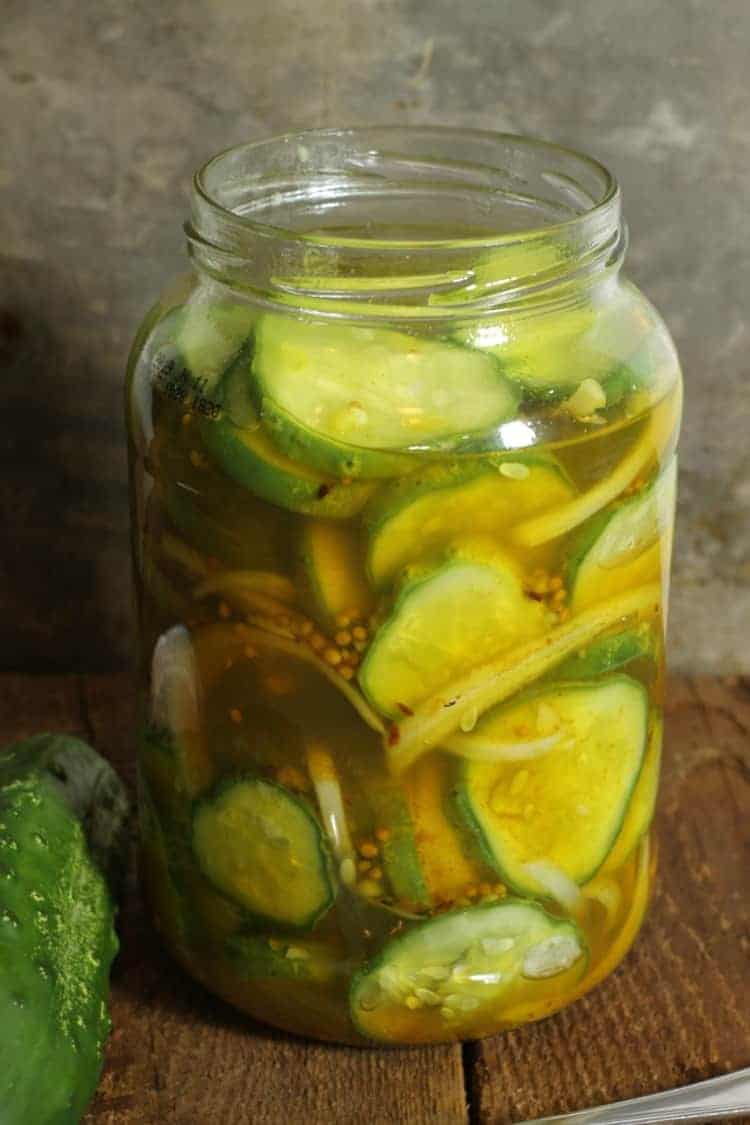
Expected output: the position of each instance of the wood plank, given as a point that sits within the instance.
(678, 1009)
(178, 1056)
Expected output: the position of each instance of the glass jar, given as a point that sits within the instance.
(403, 484)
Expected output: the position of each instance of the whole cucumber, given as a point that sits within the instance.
(63, 840)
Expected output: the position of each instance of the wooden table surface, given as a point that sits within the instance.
(676, 1011)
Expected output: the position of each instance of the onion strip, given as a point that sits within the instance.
(483, 687)
(556, 884)
(475, 748)
(330, 801)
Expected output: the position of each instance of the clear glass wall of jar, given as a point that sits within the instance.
(403, 478)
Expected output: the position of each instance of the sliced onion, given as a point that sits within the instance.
(556, 883)
(328, 791)
(175, 682)
(475, 748)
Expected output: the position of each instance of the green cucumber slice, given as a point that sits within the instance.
(448, 869)
(453, 975)
(249, 457)
(334, 572)
(642, 804)
(607, 654)
(242, 447)
(626, 545)
(458, 704)
(200, 341)
(470, 608)
(621, 343)
(262, 847)
(424, 511)
(351, 400)
(564, 808)
(254, 957)
(399, 852)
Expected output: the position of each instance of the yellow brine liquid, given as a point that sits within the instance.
(401, 606)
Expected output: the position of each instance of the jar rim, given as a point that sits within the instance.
(274, 217)
(609, 196)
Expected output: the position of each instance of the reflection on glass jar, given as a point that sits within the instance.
(403, 489)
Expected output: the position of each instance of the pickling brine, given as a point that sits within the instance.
(403, 504)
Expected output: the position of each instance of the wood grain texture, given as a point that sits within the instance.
(676, 1011)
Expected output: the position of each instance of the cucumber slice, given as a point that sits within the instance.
(254, 957)
(467, 610)
(200, 342)
(249, 457)
(422, 512)
(262, 847)
(334, 572)
(448, 871)
(624, 546)
(621, 343)
(607, 654)
(401, 856)
(460, 703)
(350, 400)
(452, 976)
(642, 804)
(565, 808)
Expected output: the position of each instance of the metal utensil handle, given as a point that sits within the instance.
(725, 1096)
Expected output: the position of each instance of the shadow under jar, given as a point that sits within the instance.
(403, 481)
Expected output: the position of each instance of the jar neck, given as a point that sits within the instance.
(423, 223)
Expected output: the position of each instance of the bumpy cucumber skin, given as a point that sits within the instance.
(63, 817)
(254, 918)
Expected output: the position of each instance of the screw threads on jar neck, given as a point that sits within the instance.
(424, 223)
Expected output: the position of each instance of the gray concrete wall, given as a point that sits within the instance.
(107, 107)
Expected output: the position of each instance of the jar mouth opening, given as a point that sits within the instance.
(260, 184)
(424, 220)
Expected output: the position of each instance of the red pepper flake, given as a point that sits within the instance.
(404, 709)
(323, 491)
(394, 735)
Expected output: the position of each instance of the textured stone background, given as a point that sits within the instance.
(107, 107)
